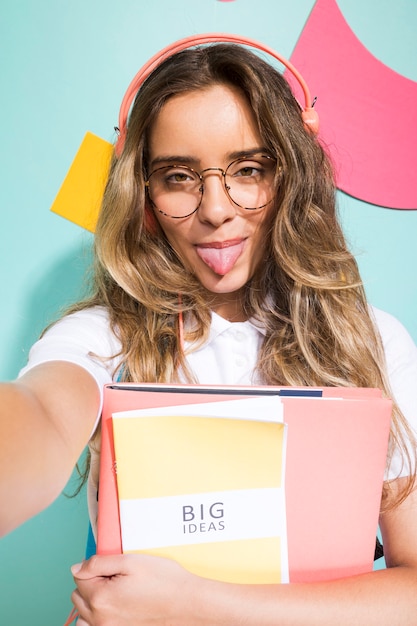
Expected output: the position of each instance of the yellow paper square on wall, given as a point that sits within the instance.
(79, 198)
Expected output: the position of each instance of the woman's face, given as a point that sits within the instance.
(220, 243)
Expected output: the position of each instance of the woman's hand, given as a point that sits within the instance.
(140, 590)
(132, 590)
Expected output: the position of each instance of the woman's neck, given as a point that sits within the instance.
(229, 306)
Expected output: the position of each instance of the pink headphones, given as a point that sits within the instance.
(308, 114)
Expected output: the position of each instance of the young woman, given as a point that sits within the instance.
(219, 215)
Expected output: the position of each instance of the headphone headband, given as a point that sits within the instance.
(309, 115)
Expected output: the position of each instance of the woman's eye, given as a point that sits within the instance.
(178, 176)
(249, 170)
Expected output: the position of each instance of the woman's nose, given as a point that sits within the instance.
(216, 207)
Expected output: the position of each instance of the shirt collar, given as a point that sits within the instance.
(220, 325)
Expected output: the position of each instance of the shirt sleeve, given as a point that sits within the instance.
(401, 356)
(83, 338)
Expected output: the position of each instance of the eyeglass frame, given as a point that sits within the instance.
(200, 176)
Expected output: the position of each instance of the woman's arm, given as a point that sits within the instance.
(46, 418)
(142, 590)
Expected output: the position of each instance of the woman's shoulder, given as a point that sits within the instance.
(397, 341)
(84, 337)
(87, 315)
(95, 314)
(91, 324)
(401, 359)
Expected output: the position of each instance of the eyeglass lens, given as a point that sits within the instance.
(177, 190)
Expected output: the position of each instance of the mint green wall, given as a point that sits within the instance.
(65, 65)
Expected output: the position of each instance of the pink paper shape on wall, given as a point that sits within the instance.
(368, 112)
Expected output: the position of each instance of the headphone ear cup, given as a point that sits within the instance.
(119, 145)
(310, 118)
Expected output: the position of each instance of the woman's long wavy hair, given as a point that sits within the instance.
(308, 293)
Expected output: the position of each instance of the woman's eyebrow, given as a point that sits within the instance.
(195, 161)
(172, 159)
(241, 154)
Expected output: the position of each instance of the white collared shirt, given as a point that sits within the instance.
(227, 358)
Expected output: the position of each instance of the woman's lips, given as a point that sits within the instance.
(221, 256)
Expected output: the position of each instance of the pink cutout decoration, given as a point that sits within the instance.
(368, 112)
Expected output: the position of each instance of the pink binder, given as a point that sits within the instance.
(336, 455)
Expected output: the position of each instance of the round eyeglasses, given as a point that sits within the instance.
(177, 190)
